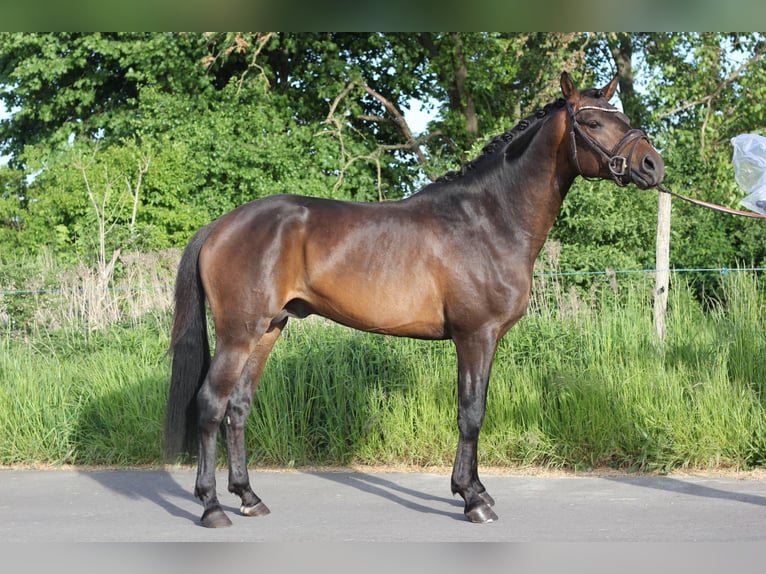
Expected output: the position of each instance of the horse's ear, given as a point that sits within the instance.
(610, 88)
(568, 87)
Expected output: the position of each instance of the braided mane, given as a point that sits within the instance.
(505, 141)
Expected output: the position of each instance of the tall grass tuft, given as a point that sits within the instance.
(39, 295)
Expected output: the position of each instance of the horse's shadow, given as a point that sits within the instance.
(166, 492)
(163, 487)
(409, 498)
(160, 490)
(687, 488)
(96, 434)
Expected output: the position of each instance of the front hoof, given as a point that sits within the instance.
(481, 514)
(259, 509)
(215, 518)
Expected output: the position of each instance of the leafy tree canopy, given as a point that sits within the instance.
(218, 119)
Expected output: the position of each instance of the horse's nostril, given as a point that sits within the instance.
(648, 163)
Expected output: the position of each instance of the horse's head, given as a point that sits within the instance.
(603, 144)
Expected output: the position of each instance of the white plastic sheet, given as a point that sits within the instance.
(750, 169)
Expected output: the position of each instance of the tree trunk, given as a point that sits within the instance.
(621, 47)
(460, 99)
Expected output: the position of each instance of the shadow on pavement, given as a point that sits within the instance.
(161, 490)
(686, 487)
(401, 495)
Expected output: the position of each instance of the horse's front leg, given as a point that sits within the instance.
(475, 354)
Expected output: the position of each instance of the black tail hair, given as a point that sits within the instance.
(190, 350)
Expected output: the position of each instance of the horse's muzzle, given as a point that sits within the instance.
(649, 172)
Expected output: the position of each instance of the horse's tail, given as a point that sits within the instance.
(190, 350)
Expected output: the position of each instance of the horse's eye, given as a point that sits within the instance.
(593, 124)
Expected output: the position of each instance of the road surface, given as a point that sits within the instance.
(337, 506)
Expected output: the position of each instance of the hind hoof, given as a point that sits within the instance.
(215, 518)
(259, 509)
(481, 514)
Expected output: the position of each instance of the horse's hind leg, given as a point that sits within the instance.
(238, 409)
(212, 403)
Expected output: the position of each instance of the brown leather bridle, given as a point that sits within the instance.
(618, 164)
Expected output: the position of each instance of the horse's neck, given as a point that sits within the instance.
(517, 199)
(535, 186)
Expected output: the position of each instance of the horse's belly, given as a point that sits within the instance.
(398, 309)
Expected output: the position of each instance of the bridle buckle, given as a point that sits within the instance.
(618, 166)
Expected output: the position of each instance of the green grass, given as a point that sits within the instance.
(98, 400)
(574, 385)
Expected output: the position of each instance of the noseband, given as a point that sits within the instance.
(618, 164)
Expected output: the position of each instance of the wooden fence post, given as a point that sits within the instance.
(662, 264)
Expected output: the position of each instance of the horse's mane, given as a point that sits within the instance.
(510, 141)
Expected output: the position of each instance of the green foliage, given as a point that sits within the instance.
(86, 84)
(76, 400)
(211, 155)
(487, 82)
(224, 118)
(695, 121)
(603, 226)
(23, 280)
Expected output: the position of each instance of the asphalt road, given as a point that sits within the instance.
(152, 506)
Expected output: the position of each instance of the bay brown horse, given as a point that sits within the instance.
(453, 261)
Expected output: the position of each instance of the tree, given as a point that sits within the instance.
(229, 117)
(86, 84)
(488, 81)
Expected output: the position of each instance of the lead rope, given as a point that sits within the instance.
(713, 206)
